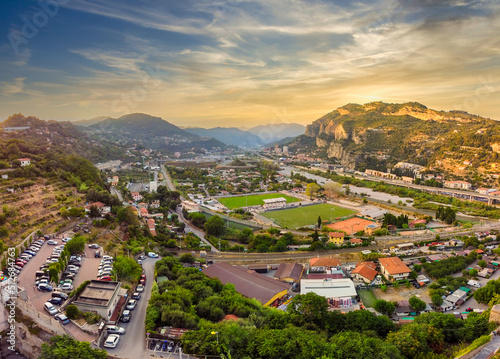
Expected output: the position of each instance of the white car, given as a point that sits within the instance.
(114, 329)
(52, 242)
(65, 240)
(66, 286)
(140, 288)
(112, 341)
(131, 304)
(152, 255)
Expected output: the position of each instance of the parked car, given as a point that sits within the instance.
(62, 318)
(112, 341)
(97, 254)
(50, 308)
(94, 246)
(106, 278)
(77, 258)
(66, 286)
(152, 255)
(140, 288)
(52, 242)
(115, 329)
(107, 257)
(131, 304)
(136, 296)
(56, 300)
(142, 257)
(60, 295)
(44, 287)
(66, 240)
(126, 316)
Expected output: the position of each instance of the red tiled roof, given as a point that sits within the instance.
(325, 262)
(365, 271)
(394, 265)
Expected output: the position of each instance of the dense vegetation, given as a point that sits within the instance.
(306, 330)
(449, 266)
(65, 347)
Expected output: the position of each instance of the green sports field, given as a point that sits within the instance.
(252, 200)
(304, 216)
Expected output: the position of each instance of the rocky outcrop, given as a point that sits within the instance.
(347, 159)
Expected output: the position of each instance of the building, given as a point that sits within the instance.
(417, 223)
(374, 213)
(25, 161)
(365, 272)
(336, 238)
(323, 264)
(103, 209)
(136, 196)
(15, 129)
(99, 297)
(329, 288)
(356, 241)
(152, 226)
(274, 203)
(371, 228)
(153, 186)
(393, 268)
(406, 179)
(155, 204)
(143, 212)
(248, 283)
(289, 272)
(458, 185)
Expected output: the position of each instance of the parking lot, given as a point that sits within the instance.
(37, 298)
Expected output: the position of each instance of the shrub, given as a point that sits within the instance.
(72, 312)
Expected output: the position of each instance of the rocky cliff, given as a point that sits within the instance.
(388, 133)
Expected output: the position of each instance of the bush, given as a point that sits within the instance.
(72, 312)
(91, 318)
(80, 289)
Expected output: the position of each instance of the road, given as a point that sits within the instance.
(489, 349)
(133, 343)
(189, 226)
(117, 193)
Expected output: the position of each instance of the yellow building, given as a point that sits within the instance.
(336, 237)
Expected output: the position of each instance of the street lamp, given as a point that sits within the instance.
(216, 333)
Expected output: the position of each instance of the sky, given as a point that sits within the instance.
(245, 63)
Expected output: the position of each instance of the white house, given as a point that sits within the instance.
(24, 161)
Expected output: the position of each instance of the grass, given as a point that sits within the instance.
(475, 344)
(307, 215)
(252, 200)
(367, 297)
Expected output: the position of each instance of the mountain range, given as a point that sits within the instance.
(254, 137)
(377, 135)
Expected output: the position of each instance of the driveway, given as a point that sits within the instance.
(133, 343)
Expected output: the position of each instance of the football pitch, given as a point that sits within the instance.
(252, 200)
(307, 215)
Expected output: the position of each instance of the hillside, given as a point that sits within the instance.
(150, 132)
(377, 135)
(57, 176)
(229, 136)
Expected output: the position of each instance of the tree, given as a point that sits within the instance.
(127, 268)
(308, 307)
(355, 345)
(65, 347)
(214, 226)
(197, 218)
(437, 300)
(384, 307)
(311, 189)
(482, 263)
(473, 272)
(75, 245)
(414, 340)
(187, 258)
(417, 304)
(94, 212)
(333, 189)
(127, 215)
(73, 312)
(320, 222)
